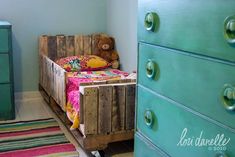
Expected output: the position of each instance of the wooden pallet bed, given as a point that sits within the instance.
(106, 108)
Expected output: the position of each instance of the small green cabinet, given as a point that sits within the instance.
(7, 107)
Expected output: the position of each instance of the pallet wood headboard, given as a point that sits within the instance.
(59, 46)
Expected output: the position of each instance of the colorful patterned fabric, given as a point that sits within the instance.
(83, 63)
(72, 87)
(41, 138)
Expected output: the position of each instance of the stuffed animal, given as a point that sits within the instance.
(107, 52)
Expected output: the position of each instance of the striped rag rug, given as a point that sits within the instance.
(41, 138)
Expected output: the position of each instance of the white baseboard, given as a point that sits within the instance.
(24, 96)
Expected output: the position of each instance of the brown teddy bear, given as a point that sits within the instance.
(106, 50)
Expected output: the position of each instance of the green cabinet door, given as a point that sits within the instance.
(179, 131)
(198, 26)
(4, 42)
(195, 82)
(6, 102)
(4, 68)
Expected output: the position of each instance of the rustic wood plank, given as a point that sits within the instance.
(94, 44)
(130, 107)
(63, 90)
(59, 86)
(55, 82)
(87, 44)
(70, 48)
(52, 47)
(79, 49)
(105, 105)
(64, 99)
(61, 46)
(47, 75)
(43, 46)
(43, 71)
(90, 110)
(52, 79)
(50, 74)
(118, 108)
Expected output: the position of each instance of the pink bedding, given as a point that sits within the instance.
(74, 80)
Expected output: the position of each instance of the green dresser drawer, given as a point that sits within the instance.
(178, 131)
(195, 26)
(4, 42)
(7, 110)
(4, 68)
(144, 148)
(195, 82)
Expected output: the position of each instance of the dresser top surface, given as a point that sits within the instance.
(4, 23)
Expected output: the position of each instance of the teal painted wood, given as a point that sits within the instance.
(143, 148)
(4, 68)
(169, 122)
(7, 108)
(194, 26)
(193, 82)
(4, 43)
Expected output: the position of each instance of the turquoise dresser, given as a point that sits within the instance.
(7, 107)
(186, 79)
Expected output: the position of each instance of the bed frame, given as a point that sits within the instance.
(107, 108)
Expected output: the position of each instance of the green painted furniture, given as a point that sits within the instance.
(186, 79)
(205, 28)
(7, 107)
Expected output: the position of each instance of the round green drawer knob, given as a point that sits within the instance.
(151, 21)
(228, 97)
(221, 154)
(151, 69)
(148, 118)
(229, 29)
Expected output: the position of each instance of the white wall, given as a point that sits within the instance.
(32, 18)
(122, 24)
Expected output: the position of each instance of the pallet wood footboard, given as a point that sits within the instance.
(107, 108)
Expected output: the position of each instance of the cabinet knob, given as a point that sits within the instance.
(221, 154)
(151, 69)
(229, 29)
(151, 21)
(148, 117)
(228, 97)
